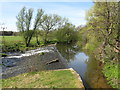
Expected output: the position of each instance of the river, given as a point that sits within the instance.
(85, 65)
(81, 61)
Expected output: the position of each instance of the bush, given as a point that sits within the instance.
(110, 70)
(3, 55)
(66, 34)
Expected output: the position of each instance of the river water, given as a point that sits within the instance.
(85, 65)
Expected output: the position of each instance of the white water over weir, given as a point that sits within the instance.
(33, 52)
(32, 60)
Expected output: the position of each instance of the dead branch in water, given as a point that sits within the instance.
(53, 61)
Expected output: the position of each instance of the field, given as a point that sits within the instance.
(16, 43)
(44, 79)
(13, 39)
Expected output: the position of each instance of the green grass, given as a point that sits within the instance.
(14, 39)
(16, 43)
(43, 79)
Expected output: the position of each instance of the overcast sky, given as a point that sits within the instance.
(74, 11)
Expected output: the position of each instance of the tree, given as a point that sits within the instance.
(24, 20)
(38, 22)
(51, 22)
(101, 32)
(103, 21)
(66, 33)
(23, 23)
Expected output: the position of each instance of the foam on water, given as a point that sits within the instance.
(32, 52)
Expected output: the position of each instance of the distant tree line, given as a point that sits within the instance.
(9, 33)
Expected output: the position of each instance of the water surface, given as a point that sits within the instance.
(85, 65)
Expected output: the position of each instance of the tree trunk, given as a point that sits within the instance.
(29, 38)
(45, 39)
(103, 47)
(38, 42)
(27, 45)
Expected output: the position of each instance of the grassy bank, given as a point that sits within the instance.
(44, 79)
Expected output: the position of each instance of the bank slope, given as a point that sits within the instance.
(44, 79)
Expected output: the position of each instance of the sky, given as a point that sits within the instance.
(74, 11)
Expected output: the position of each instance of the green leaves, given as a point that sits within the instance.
(100, 35)
(66, 34)
(110, 71)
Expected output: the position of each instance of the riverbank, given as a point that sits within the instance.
(85, 64)
(63, 78)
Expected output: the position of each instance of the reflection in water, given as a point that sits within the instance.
(78, 63)
(67, 51)
(93, 74)
(86, 65)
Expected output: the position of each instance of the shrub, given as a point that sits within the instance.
(110, 70)
(3, 55)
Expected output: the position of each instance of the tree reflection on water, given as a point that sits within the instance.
(68, 51)
(84, 62)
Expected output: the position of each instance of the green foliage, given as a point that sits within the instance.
(101, 31)
(51, 22)
(110, 71)
(100, 36)
(66, 34)
(24, 19)
(103, 22)
(23, 24)
(88, 39)
(92, 43)
(3, 55)
(44, 22)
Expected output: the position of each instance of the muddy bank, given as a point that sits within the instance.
(46, 58)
